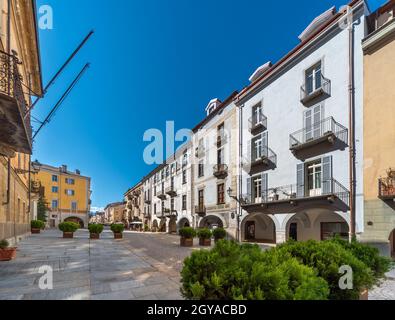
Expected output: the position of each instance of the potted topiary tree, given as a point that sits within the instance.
(95, 230)
(6, 253)
(204, 236)
(117, 229)
(219, 234)
(36, 226)
(187, 234)
(68, 229)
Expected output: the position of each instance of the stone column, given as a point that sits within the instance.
(281, 236)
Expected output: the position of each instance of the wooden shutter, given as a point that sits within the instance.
(264, 186)
(327, 182)
(249, 191)
(300, 189)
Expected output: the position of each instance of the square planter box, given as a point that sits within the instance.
(68, 235)
(7, 254)
(94, 236)
(36, 231)
(118, 236)
(205, 242)
(184, 242)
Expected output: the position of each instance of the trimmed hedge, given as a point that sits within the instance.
(239, 272)
(219, 233)
(96, 228)
(204, 233)
(37, 224)
(69, 226)
(4, 244)
(293, 271)
(117, 228)
(187, 232)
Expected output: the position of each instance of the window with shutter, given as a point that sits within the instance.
(312, 123)
(300, 189)
(327, 175)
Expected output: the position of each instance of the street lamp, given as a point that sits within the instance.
(240, 213)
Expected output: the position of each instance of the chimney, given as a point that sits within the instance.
(77, 172)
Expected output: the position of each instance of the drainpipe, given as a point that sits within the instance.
(8, 183)
(239, 215)
(351, 102)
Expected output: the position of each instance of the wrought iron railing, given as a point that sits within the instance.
(330, 187)
(221, 139)
(387, 188)
(171, 190)
(265, 154)
(325, 87)
(317, 131)
(200, 209)
(257, 120)
(11, 85)
(220, 169)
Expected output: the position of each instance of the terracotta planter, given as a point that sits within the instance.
(186, 242)
(7, 254)
(68, 235)
(94, 236)
(205, 242)
(364, 295)
(36, 231)
(118, 236)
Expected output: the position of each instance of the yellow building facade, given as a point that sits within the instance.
(379, 129)
(20, 68)
(66, 193)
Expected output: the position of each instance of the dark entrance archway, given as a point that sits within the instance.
(75, 220)
(211, 222)
(173, 225)
(155, 226)
(392, 243)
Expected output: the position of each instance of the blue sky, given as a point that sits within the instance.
(152, 61)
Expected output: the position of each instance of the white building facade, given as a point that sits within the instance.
(296, 136)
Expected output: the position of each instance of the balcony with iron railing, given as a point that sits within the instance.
(222, 139)
(220, 171)
(309, 95)
(169, 213)
(257, 123)
(147, 199)
(161, 194)
(200, 210)
(200, 152)
(333, 195)
(387, 188)
(321, 137)
(15, 128)
(259, 161)
(171, 191)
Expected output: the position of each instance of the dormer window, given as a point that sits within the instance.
(212, 106)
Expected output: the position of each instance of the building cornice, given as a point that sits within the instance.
(378, 37)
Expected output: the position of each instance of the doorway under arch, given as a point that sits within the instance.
(184, 222)
(392, 243)
(173, 225)
(258, 228)
(75, 220)
(155, 226)
(211, 222)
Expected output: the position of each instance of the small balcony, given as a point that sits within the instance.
(161, 194)
(129, 205)
(147, 214)
(387, 188)
(15, 129)
(260, 161)
(171, 191)
(321, 137)
(200, 210)
(220, 171)
(257, 123)
(285, 199)
(221, 140)
(147, 200)
(200, 152)
(169, 213)
(309, 95)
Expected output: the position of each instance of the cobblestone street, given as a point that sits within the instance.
(101, 269)
(141, 266)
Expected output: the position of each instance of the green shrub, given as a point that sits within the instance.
(146, 228)
(204, 233)
(219, 233)
(187, 232)
(237, 272)
(117, 228)
(37, 224)
(96, 228)
(326, 258)
(69, 226)
(4, 244)
(369, 255)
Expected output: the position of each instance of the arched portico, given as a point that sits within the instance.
(212, 221)
(173, 225)
(258, 228)
(316, 224)
(184, 222)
